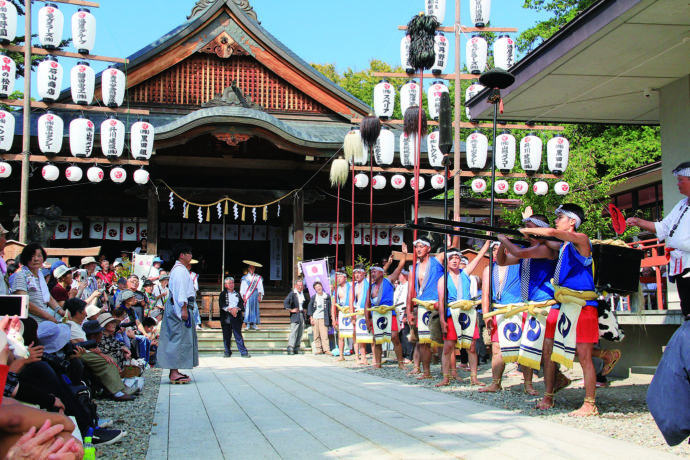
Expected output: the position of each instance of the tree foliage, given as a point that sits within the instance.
(562, 11)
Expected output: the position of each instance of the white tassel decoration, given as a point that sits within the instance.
(236, 211)
(220, 210)
(200, 215)
(172, 202)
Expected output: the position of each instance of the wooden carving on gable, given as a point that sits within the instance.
(244, 5)
(224, 46)
(232, 96)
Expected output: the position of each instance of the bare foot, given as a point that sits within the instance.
(340, 359)
(414, 371)
(529, 390)
(476, 382)
(588, 409)
(443, 383)
(493, 388)
(424, 377)
(546, 403)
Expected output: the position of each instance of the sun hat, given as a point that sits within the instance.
(61, 271)
(91, 327)
(53, 336)
(92, 310)
(87, 261)
(106, 318)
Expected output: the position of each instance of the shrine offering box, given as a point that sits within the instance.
(616, 268)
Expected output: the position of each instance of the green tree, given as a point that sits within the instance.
(563, 11)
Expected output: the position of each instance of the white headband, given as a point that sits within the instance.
(682, 172)
(358, 270)
(536, 222)
(375, 269)
(424, 242)
(452, 253)
(569, 215)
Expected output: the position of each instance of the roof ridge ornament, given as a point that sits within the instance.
(232, 96)
(244, 5)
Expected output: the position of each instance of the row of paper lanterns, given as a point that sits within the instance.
(50, 26)
(397, 181)
(74, 173)
(479, 11)
(521, 187)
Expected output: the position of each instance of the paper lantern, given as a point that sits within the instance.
(50, 172)
(361, 180)
(112, 137)
(81, 132)
(471, 91)
(398, 181)
(405, 54)
(113, 85)
(49, 78)
(477, 147)
(82, 80)
(476, 49)
(50, 127)
(478, 185)
(504, 52)
(520, 187)
(118, 175)
(384, 149)
(540, 188)
(557, 151)
(8, 73)
(74, 173)
(434, 98)
(480, 11)
(561, 188)
(501, 186)
(505, 148)
(6, 130)
(530, 153)
(83, 30)
(438, 181)
(5, 170)
(409, 95)
(8, 14)
(435, 8)
(142, 140)
(441, 50)
(413, 182)
(384, 99)
(379, 182)
(433, 150)
(408, 150)
(51, 21)
(94, 174)
(141, 176)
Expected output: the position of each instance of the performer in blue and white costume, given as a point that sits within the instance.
(252, 291)
(340, 306)
(358, 300)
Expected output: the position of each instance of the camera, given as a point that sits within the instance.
(129, 324)
(87, 344)
(58, 364)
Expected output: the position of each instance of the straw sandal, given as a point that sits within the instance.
(475, 381)
(614, 356)
(496, 383)
(582, 412)
(562, 382)
(544, 405)
(416, 370)
(528, 389)
(443, 383)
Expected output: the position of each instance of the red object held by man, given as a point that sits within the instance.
(617, 219)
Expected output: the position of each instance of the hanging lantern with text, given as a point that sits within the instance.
(112, 137)
(413, 183)
(142, 140)
(384, 149)
(505, 148)
(118, 175)
(540, 188)
(504, 52)
(141, 176)
(74, 173)
(51, 21)
(384, 99)
(433, 150)
(478, 185)
(113, 82)
(49, 78)
(94, 174)
(476, 49)
(361, 180)
(398, 181)
(477, 147)
(471, 91)
(8, 19)
(441, 45)
(408, 150)
(520, 187)
(6, 130)
(501, 186)
(50, 172)
(409, 95)
(405, 54)
(379, 182)
(83, 30)
(561, 188)
(50, 132)
(82, 80)
(530, 153)
(81, 133)
(438, 181)
(5, 170)
(434, 98)
(557, 151)
(8, 73)
(435, 8)
(480, 11)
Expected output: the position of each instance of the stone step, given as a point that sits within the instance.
(218, 351)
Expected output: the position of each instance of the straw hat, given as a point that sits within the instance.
(251, 262)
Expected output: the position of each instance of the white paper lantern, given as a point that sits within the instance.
(398, 181)
(434, 98)
(476, 49)
(8, 73)
(409, 95)
(502, 186)
(81, 133)
(435, 8)
(74, 173)
(505, 148)
(51, 21)
(530, 153)
(142, 140)
(438, 181)
(441, 50)
(49, 78)
(5, 170)
(561, 188)
(118, 175)
(94, 174)
(141, 176)
(540, 188)
(6, 130)
(82, 80)
(471, 91)
(384, 99)
(433, 150)
(477, 146)
(478, 185)
(480, 11)
(112, 137)
(50, 172)
(379, 182)
(520, 187)
(8, 13)
(361, 180)
(504, 52)
(113, 85)
(83, 30)
(408, 150)
(50, 132)
(405, 54)
(384, 150)
(557, 151)
(413, 182)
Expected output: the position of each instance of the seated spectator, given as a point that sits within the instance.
(109, 344)
(150, 298)
(140, 342)
(151, 327)
(160, 295)
(63, 288)
(77, 315)
(92, 312)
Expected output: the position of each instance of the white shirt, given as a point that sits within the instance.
(181, 287)
(300, 298)
(76, 332)
(247, 281)
(680, 240)
(319, 304)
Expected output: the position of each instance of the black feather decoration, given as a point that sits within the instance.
(369, 129)
(422, 29)
(445, 125)
(411, 121)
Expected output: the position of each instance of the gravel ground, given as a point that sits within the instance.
(135, 417)
(624, 413)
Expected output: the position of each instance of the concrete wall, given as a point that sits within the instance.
(642, 346)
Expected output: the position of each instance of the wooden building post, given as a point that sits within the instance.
(152, 221)
(298, 236)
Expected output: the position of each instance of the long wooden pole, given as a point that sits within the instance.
(26, 134)
(458, 115)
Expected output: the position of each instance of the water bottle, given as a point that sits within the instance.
(89, 449)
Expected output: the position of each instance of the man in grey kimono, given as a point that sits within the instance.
(178, 347)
